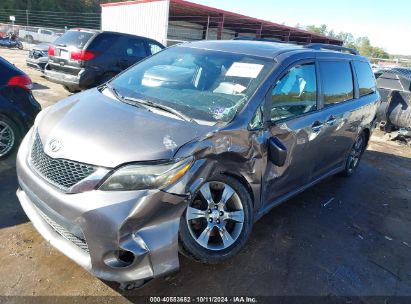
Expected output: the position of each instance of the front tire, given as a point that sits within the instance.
(9, 136)
(217, 221)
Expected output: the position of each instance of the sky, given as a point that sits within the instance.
(386, 22)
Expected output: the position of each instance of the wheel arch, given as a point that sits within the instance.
(367, 133)
(244, 182)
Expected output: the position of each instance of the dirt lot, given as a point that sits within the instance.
(359, 244)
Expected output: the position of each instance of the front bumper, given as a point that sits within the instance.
(37, 64)
(92, 227)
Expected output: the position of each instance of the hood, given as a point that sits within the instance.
(41, 47)
(95, 129)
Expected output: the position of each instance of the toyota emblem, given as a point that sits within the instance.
(55, 144)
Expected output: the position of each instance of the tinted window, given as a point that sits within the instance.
(74, 38)
(135, 48)
(365, 77)
(337, 81)
(295, 93)
(154, 48)
(103, 42)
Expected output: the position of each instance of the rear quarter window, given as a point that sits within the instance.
(103, 42)
(337, 81)
(154, 48)
(77, 39)
(365, 78)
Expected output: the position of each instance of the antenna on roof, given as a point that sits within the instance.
(323, 46)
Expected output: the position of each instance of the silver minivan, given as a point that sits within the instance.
(185, 150)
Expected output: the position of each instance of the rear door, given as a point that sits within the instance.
(296, 125)
(133, 49)
(338, 114)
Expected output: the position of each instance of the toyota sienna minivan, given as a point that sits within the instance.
(185, 150)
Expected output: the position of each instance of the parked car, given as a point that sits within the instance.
(38, 57)
(34, 34)
(189, 148)
(82, 58)
(18, 107)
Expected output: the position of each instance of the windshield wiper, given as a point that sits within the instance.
(114, 92)
(161, 107)
(133, 101)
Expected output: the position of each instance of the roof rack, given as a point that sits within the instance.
(320, 46)
(257, 39)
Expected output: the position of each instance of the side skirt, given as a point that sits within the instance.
(267, 208)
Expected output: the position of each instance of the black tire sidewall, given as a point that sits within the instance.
(190, 248)
(17, 135)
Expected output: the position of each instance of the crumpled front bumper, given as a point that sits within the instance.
(38, 64)
(92, 227)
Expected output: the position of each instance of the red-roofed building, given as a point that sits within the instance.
(173, 21)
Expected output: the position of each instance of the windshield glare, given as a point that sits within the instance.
(208, 86)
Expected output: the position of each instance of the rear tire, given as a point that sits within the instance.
(356, 152)
(217, 221)
(9, 136)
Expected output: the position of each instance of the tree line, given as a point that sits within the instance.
(362, 44)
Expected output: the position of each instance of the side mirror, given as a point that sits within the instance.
(277, 152)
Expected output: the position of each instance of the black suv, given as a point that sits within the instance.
(82, 58)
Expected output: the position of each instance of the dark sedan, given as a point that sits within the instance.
(18, 108)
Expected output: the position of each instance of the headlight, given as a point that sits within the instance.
(140, 176)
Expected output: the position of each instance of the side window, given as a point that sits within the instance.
(135, 48)
(295, 93)
(337, 81)
(103, 42)
(154, 48)
(365, 77)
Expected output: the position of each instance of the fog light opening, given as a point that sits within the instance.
(119, 258)
(126, 256)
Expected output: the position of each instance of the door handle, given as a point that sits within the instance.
(316, 126)
(331, 120)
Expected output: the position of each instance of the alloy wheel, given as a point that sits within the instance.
(215, 217)
(356, 153)
(7, 138)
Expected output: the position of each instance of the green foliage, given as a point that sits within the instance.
(362, 44)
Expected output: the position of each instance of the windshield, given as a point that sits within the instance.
(207, 86)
